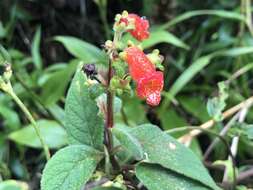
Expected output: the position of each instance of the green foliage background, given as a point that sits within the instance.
(203, 43)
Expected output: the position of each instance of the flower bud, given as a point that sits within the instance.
(156, 59)
(8, 72)
(108, 44)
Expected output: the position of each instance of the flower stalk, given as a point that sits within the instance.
(6, 86)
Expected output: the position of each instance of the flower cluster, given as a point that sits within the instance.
(142, 67)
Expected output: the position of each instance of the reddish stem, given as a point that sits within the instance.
(109, 118)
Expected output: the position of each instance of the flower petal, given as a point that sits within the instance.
(141, 27)
(150, 87)
(139, 64)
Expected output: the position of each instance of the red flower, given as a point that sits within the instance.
(140, 31)
(139, 64)
(149, 81)
(150, 87)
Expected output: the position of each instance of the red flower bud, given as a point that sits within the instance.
(141, 26)
(150, 87)
(139, 64)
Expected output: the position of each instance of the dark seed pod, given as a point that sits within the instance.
(90, 70)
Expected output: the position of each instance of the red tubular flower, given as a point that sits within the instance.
(141, 26)
(149, 81)
(139, 64)
(150, 87)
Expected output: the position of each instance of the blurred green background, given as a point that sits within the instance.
(203, 43)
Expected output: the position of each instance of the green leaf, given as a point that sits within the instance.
(11, 117)
(246, 129)
(82, 122)
(171, 119)
(82, 50)
(234, 52)
(197, 66)
(131, 106)
(2, 30)
(117, 103)
(229, 168)
(4, 55)
(195, 105)
(37, 60)
(162, 36)
(156, 177)
(70, 168)
(160, 148)
(190, 14)
(55, 85)
(13, 185)
(189, 73)
(107, 188)
(53, 134)
(129, 141)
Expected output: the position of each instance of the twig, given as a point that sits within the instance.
(243, 175)
(186, 139)
(222, 133)
(235, 142)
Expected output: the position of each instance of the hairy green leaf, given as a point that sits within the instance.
(160, 148)
(82, 122)
(156, 177)
(129, 141)
(70, 168)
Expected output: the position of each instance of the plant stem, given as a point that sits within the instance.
(109, 121)
(103, 15)
(31, 119)
(109, 118)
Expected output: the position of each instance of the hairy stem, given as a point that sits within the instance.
(32, 121)
(109, 120)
